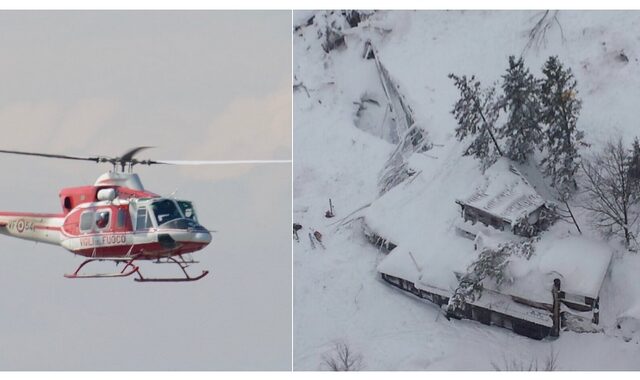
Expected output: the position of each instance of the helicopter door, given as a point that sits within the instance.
(121, 222)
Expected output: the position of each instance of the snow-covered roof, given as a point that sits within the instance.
(580, 263)
(504, 192)
(402, 263)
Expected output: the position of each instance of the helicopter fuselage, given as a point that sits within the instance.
(112, 221)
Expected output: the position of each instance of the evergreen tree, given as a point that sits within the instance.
(491, 263)
(560, 110)
(476, 114)
(521, 99)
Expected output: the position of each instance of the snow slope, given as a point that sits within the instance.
(338, 295)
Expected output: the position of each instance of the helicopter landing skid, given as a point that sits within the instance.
(182, 264)
(177, 279)
(128, 269)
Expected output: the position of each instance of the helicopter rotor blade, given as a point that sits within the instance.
(128, 156)
(62, 156)
(221, 162)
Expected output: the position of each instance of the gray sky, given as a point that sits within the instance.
(196, 85)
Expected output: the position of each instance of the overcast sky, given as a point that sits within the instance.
(196, 85)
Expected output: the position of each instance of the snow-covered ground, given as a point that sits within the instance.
(338, 293)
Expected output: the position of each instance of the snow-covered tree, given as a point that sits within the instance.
(521, 100)
(560, 110)
(469, 289)
(476, 114)
(491, 263)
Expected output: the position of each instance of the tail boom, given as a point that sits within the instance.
(43, 228)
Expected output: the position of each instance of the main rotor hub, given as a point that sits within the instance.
(122, 179)
(127, 160)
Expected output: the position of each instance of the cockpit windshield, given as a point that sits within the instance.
(165, 210)
(188, 210)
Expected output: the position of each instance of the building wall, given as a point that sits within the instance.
(470, 213)
(473, 312)
(476, 215)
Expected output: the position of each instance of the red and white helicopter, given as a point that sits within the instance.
(117, 220)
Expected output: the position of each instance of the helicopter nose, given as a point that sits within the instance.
(186, 230)
(202, 237)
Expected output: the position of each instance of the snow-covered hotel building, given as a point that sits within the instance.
(431, 246)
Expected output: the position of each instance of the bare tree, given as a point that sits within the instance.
(342, 358)
(611, 198)
(538, 33)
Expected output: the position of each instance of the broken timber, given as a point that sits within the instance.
(408, 136)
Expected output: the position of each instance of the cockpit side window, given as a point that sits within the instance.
(149, 222)
(188, 210)
(142, 219)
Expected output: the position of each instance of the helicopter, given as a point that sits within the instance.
(116, 219)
